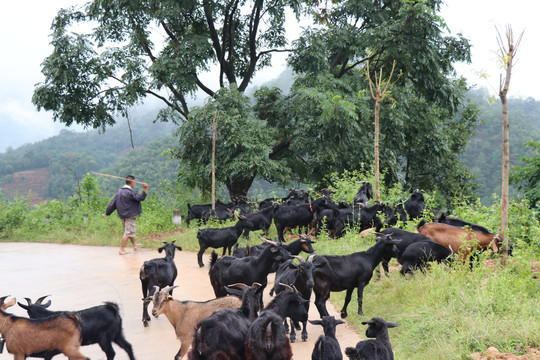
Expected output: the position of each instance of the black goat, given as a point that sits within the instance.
(362, 216)
(303, 243)
(223, 334)
(159, 272)
(252, 269)
(241, 252)
(221, 237)
(301, 277)
(415, 205)
(261, 220)
(327, 346)
(405, 238)
(461, 223)
(364, 194)
(393, 214)
(418, 254)
(266, 339)
(378, 349)
(301, 216)
(100, 324)
(204, 212)
(348, 272)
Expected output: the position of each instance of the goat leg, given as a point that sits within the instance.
(292, 336)
(360, 298)
(304, 331)
(348, 296)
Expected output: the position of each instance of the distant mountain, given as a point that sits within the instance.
(60, 162)
(483, 155)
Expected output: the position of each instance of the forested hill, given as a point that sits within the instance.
(52, 168)
(483, 155)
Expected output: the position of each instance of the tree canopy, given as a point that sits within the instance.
(323, 125)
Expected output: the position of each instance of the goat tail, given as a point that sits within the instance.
(420, 224)
(213, 259)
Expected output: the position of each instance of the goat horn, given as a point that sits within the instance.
(29, 301)
(256, 285)
(299, 258)
(238, 285)
(311, 257)
(40, 300)
(268, 241)
(169, 288)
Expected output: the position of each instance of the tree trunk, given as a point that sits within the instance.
(505, 165)
(507, 51)
(376, 142)
(214, 128)
(239, 187)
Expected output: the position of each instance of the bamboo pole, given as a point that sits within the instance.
(117, 177)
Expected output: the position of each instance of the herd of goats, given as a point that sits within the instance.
(236, 324)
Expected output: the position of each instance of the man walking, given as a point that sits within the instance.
(127, 203)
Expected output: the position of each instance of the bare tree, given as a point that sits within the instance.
(378, 96)
(214, 135)
(507, 51)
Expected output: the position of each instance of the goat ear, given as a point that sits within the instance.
(315, 322)
(391, 325)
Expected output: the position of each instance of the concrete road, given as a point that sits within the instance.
(78, 277)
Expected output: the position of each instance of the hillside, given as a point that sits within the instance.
(28, 182)
(53, 168)
(483, 156)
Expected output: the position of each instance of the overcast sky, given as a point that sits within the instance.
(24, 40)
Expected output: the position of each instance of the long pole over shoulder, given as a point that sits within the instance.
(117, 177)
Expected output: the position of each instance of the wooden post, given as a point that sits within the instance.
(214, 133)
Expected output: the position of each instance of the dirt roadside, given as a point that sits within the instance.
(78, 277)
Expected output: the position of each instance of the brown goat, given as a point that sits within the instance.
(28, 336)
(184, 315)
(462, 240)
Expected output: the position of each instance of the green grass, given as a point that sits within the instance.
(445, 313)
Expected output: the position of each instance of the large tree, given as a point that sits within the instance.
(315, 130)
(423, 128)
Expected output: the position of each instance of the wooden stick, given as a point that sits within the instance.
(117, 177)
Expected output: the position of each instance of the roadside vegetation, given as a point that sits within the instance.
(445, 313)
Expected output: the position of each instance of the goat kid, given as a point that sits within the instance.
(327, 346)
(378, 349)
(159, 272)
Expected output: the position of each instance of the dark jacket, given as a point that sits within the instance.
(127, 202)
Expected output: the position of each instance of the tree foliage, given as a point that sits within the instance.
(243, 145)
(321, 127)
(527, 177)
